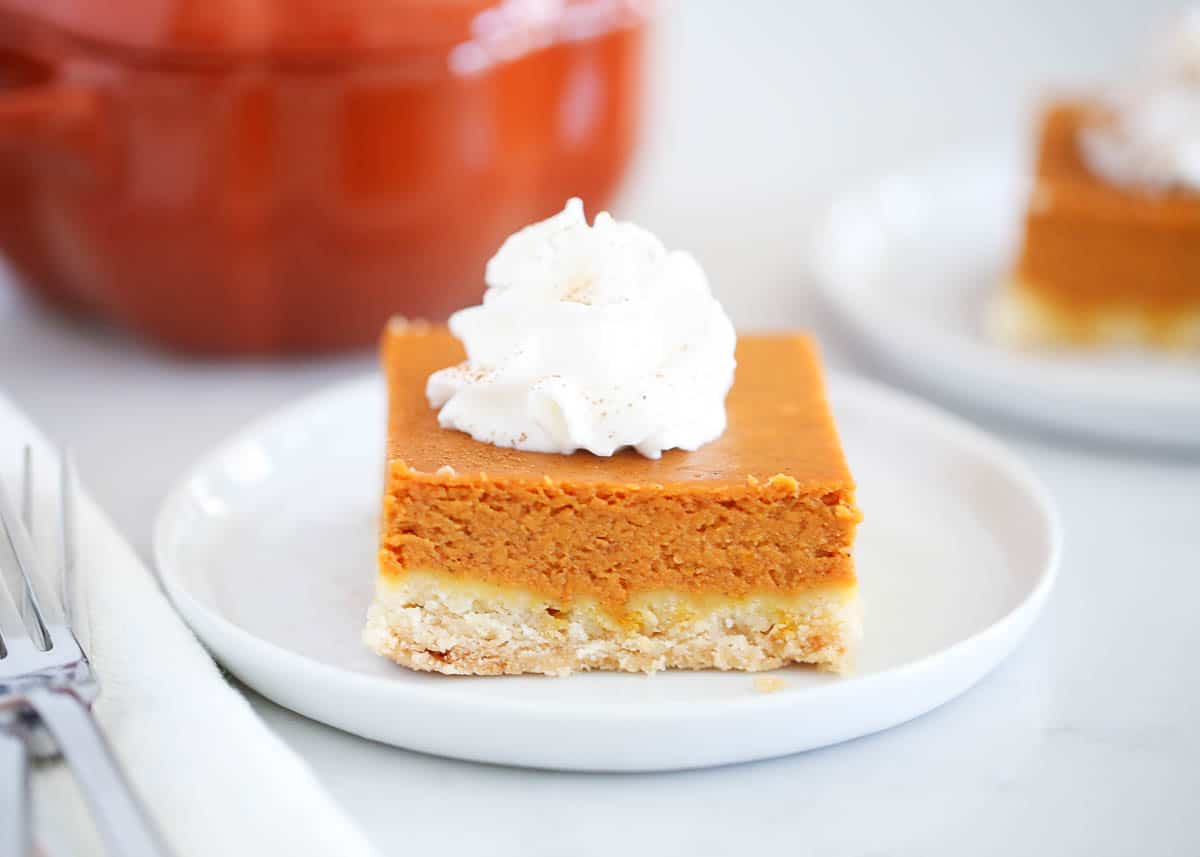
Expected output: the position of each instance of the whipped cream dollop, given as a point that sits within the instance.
(589, 337)
(1152, 137)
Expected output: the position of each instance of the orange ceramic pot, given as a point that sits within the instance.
(269, 176)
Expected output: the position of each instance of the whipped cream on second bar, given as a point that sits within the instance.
(589, 337)
(1153, 138)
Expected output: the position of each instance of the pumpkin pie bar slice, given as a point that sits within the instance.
(1101, 264)
(735, 556)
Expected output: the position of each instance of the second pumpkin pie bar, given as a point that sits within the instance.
(1101, 264)
(734, 556)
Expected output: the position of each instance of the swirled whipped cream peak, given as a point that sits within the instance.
(1151, 139)
(589, 338)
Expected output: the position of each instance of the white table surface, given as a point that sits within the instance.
(1084, 742)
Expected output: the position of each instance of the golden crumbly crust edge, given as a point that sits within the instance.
(1018, 319)
(423, 627)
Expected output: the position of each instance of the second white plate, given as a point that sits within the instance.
(267, 548)
(911, 265)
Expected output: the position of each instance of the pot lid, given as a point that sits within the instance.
(314, 28)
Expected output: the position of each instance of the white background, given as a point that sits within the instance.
(1084, 742)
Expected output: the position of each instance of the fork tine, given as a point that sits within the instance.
(14, 633)
(12, 627)
(27, 490)
(66, 495)
(30, 609)
(23, 588)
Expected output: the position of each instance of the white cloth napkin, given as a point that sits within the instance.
(217, 781)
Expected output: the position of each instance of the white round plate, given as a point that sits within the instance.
(912, 266)
(267, 548)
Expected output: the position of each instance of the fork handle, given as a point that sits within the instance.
(121, 819)
(15, 838)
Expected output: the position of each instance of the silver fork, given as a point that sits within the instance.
(47, 685)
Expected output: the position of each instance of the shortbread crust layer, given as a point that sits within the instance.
(1021, 318)
(427, 620)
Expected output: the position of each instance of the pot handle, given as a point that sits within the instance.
(45, 114)
(33, 114)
